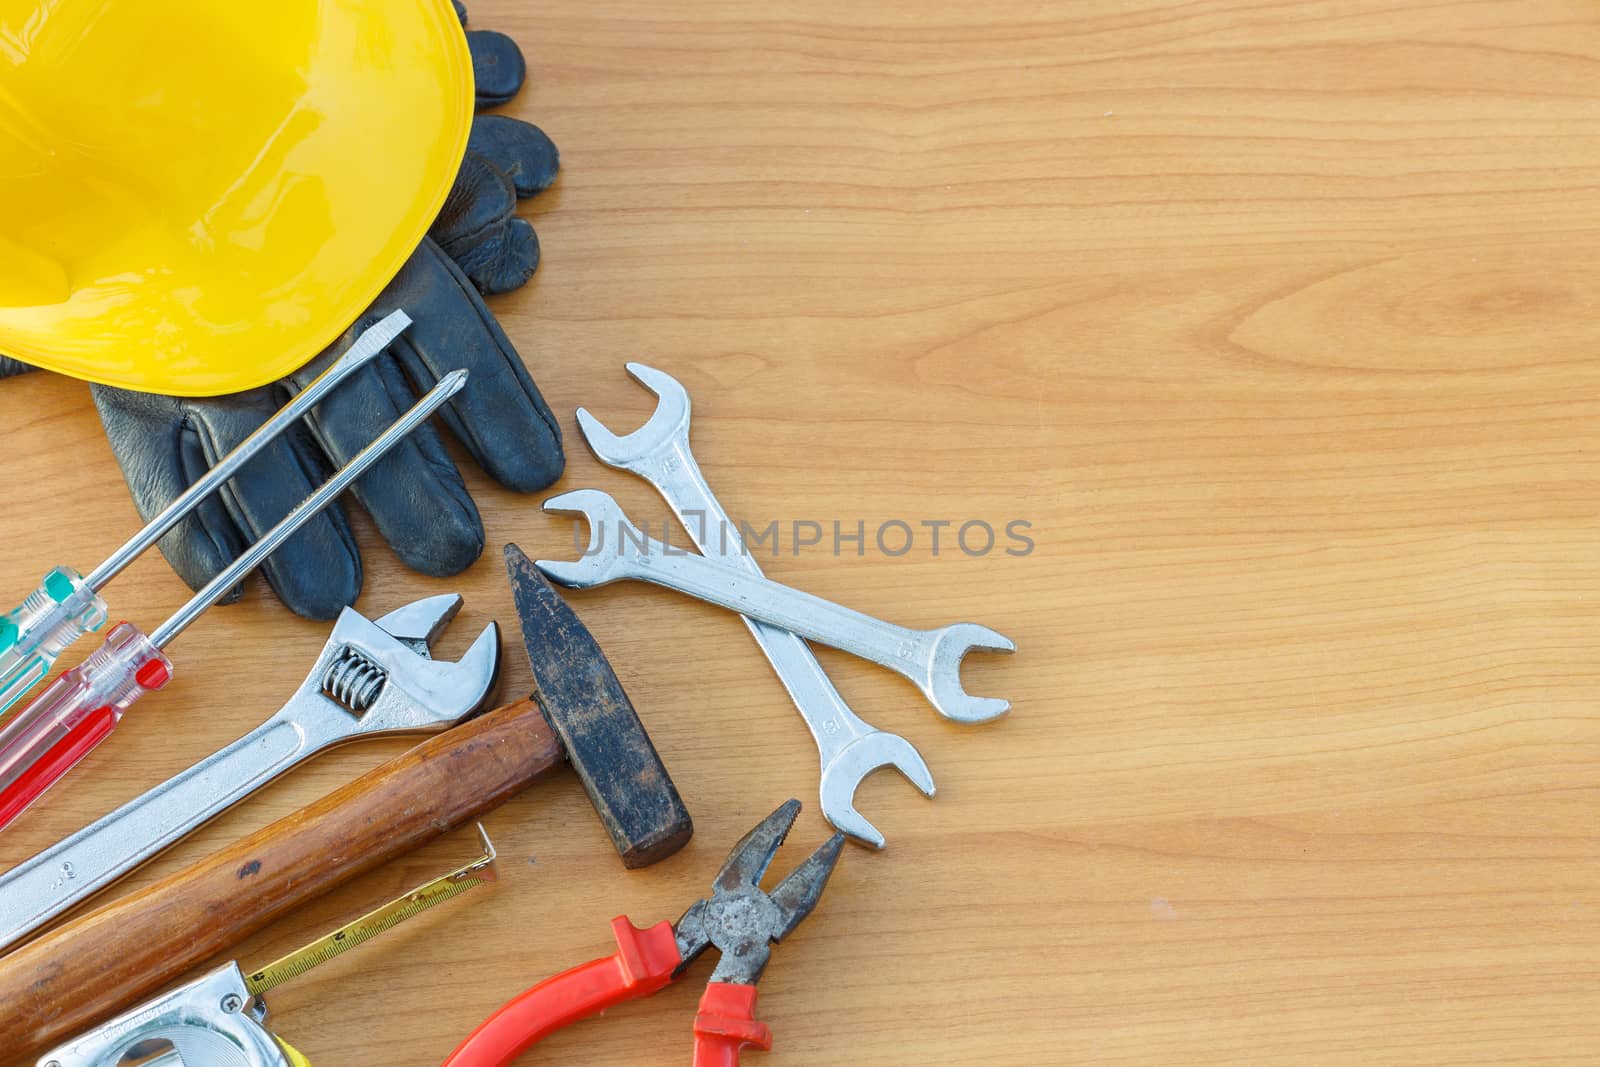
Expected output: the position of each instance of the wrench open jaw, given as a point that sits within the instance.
(845, 769)
(929, 658)
(604, 558)
(645, 449)
(848, 747)
(941, 679)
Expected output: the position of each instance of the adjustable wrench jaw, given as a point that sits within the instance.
(212, 1020)
(387, 679)
(419, 624)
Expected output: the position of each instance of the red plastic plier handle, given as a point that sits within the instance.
(644, 963)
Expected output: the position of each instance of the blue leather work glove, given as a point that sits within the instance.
(415, 495)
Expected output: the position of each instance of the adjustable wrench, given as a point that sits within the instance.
(850, 749)
(931, 659)
(371, 679)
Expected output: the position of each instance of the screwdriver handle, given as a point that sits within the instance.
(61, 610)
(61, 757)
(50, 736)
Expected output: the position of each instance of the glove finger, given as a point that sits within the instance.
(481, 197)
(316, 572)
(498, 69)
(160, 455)
(461, 10)
(500, 416)
(504, 260)
(10, 368)
(478, 228)
(521, 151)
(414, 494)
(200, 553)
(165, 445)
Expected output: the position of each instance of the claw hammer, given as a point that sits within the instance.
(107, 960)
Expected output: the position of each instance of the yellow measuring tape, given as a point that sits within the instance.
(366, 928)
(369, 926)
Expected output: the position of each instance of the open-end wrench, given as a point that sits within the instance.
(850, 749)
(930, 658)
(370, 679)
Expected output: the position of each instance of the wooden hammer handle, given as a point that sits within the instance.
(72, 977)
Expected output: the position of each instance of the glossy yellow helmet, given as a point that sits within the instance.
(196, 197)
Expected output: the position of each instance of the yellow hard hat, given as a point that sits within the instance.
(196, 197)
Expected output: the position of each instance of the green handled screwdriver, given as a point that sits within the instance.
(67, 605)
(46, 739)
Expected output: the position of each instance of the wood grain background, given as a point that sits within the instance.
(1276, 320)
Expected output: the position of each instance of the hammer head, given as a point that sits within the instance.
(604, 740)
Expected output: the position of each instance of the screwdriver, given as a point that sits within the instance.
(67, 605)
(63, 724)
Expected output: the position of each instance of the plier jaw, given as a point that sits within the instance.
(742, 922)
(739, 919)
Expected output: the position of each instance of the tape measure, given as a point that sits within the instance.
(218, 1018)
(370, 925)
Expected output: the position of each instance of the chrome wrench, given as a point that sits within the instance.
(850, 749)
(931, 659)
(371, 679)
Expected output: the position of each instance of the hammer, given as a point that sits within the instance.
(113, 957)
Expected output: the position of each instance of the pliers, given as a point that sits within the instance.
(739, 919)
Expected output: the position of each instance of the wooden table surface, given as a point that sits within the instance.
(1278, 323)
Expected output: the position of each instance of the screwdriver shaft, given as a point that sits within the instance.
(448, 386)
(372, 341)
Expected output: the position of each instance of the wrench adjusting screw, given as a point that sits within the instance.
(353, 680)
